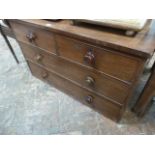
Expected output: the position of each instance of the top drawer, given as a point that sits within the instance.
(34, 36)
(115, 64)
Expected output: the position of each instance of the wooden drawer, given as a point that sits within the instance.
(34, 36)
(90, 79)
(106, 107)
(114, 64)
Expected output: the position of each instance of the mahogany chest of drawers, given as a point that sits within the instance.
(97, 67)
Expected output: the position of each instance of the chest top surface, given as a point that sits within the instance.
(142, 44)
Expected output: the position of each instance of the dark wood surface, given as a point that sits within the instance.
(86, 63)
(100, 104)
(142, 44)
(102, 84)
(34, 36)
(146, 96)
(113, 63)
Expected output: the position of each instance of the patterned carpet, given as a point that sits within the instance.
(29, 106)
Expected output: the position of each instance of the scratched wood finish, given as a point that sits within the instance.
(104, 85)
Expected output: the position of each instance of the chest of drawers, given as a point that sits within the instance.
(98, 68)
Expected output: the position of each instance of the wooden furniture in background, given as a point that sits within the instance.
(100, 68)
(146, 96)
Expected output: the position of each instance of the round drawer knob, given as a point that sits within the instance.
(31, 36)
(38, 57)
(90, 80)
(89, 58)
(89, 99)
(44, 75)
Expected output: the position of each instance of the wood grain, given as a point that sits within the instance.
(142, 44)
(115, 64)
(71, 57)
(43, 38)
(103, 84)
(100, 104)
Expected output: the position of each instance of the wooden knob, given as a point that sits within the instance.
(38, 57)
(31, 36)
(90, 80)
(44, 75)
(89, 58)
(89, 99)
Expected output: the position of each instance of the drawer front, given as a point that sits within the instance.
(34, 36)
(90, 79)
(107, 108)
(112, 63)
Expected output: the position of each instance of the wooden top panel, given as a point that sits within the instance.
(142, 44)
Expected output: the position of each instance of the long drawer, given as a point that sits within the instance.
(90, 79)
(106, 107)
(110, 62)
(34, 36)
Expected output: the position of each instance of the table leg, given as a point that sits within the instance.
(145, 98)
(9, 45)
